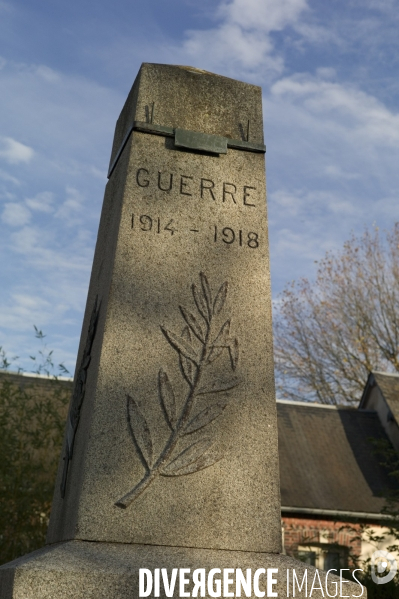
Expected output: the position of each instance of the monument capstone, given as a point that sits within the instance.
(170, 457)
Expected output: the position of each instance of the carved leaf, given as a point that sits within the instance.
(220, 342)
(234, 353)
(180, 345)
(188, 457)
(187, 366)
(192, 323)
(205, 417)
(219, 385)
(214, 353)
(200, 302)
(220, 298)
(140, 431)
(223, 335)
(188, 369)
(186, 335)
(167, 397)
(207, 459)
(207, 292)
(92, 326)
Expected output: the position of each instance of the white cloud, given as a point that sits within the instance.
(15, 215)
(72, 206)
(69, 120)
(42, 202)
(299, 245)
(337, 172)
(14, 151)
(30, 302)
(6, 195)
(231, 45)
(326, 72)
(308, 206)
(39, 247)
(29, 241)
(387, 208)
(7, 177)
(264, 15)
(24, 310)
(241, 44)
(379, 5)
(316, 34)
(99, 174)
(48, 74)
(287, 202)
(342, 104)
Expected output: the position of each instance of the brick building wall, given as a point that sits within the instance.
(322, 542)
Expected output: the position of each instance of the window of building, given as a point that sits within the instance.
(307, 557)
(332, 559)
(325, 556)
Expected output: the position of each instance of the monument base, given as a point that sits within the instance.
(85, 570)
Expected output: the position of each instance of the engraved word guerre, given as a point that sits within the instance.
(202, 188)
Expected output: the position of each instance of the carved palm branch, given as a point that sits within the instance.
(198, 346)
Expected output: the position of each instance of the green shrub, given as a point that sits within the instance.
(32, 419)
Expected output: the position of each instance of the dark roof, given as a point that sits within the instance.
(389, 387)
(327, 460)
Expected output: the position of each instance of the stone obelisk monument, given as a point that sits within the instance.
(170, 457)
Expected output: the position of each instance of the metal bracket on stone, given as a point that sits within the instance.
(189, 140)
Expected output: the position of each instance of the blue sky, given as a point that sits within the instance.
(329, 73)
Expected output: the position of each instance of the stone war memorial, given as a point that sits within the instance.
(168, 484)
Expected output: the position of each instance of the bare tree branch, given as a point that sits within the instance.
(331, 333)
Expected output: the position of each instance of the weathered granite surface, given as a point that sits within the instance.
(189, 98)
(83, 570)
(170, 214)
